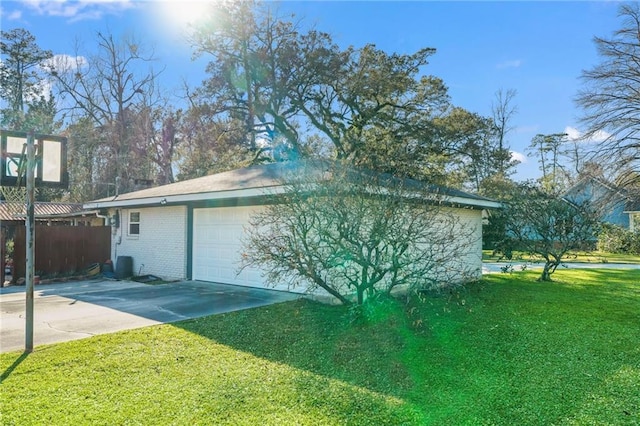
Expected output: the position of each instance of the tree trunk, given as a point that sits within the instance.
(546, 272)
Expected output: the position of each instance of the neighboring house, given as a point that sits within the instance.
(632, 208)
(612, 203)
(194, 229)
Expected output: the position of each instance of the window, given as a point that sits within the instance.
(134, 223)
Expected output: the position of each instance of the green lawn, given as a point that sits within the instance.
(507, 351)
(576, 256)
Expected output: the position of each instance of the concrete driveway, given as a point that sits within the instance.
(82, 309)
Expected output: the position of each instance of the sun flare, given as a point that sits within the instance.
(179, 15)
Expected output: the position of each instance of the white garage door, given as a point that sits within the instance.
(217, 246)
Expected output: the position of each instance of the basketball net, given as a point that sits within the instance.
(15, 197)
(15, 200)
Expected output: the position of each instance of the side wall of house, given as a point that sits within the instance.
(157, 245)
(473, 258)
(464, 262)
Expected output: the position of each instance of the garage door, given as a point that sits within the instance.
(217, 246)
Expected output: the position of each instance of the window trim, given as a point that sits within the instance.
(133, 222)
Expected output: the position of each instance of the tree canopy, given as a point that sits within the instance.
(545, 224)
(27, 105)
(273, 91)
(609, 97)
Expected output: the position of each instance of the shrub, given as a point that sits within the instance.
(615, 239)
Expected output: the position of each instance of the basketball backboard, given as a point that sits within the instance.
(51, 160)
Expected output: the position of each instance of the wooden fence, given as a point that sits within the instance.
(62, 250)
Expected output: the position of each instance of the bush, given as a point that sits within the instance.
(615, 239)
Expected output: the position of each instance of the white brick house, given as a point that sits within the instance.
(193, 229)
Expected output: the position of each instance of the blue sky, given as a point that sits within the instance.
(537, 48)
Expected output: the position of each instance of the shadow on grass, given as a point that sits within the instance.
(509, 342)
(387, 353)
(13, 366)
(317, 338)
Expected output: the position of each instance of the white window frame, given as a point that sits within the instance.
(133, 222)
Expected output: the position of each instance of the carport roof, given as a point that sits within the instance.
(248, 182)
(42, 210)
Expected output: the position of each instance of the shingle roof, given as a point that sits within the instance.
(42, 209)
(260, 176)
(251, 178)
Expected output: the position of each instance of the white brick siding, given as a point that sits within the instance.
(161, 246)
(471, 222)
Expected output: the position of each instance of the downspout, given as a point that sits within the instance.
(104, 218)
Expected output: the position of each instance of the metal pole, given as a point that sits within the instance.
(30, 255)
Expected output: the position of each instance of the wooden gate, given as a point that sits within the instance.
(62, 250)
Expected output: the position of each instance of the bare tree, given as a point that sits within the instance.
(210, 143)
(503, 111)
(547, 225)
(355, 233)
(610, 100)
(108, 90)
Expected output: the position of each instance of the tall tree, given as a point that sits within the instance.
(27, 105)
(550, 151)
(251, 71)
(503, 110)
(609, 98)
(210, 143)
(372, 108)
(109, 90)
(474, 143)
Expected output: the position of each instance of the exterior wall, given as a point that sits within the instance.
(465, 261)
(160, 248)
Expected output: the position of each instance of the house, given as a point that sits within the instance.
(632, 208)
(194, 229)
(615, 205)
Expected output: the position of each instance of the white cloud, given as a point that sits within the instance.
(514, 63)
(65, 63)
(77, 10)
(574, 134)
(519, 157)
(13, 15)
(527, 129)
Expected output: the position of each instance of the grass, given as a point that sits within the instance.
(575, 257)
(508, 350)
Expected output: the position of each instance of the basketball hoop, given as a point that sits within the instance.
(45, 165)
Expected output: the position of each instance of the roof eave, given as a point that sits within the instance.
(248, 193)
(161, 200)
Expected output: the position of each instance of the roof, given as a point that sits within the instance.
(41, 209)
(251, 182)
(611, 188)
(632, 206)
